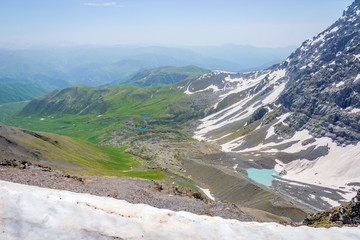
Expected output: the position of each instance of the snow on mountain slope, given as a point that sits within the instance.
(28, 212)
(301, 115)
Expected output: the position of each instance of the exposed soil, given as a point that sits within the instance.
(132, 190)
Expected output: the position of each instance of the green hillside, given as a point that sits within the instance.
(162, 76)
(8, 110)
(68, 154)
(86, 112)
(17, 91)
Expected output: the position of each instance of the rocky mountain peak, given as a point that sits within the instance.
(324, 80)
(300, 116)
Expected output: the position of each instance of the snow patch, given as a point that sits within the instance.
(235, 167)
(357, 78)
(355, 110)
(340, 84)
(207, 193)
(66, 215)
(274, 94)
(213, 87)
(344, 162)
(330, 201)
(228, 115)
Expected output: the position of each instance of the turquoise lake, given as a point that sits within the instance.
(262, 176)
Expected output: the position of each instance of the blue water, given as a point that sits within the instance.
(262, 176)
(145, 116)
(144, 128)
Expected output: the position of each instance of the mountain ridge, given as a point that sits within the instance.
(161, 76)
(298, 117)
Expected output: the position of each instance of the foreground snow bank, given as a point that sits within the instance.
(28, 212)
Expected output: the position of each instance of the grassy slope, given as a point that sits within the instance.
(86, 113)
(69, 154)
(163, 76)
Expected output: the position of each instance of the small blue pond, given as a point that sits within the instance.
(144, 128)
(145, 116)
(262, 176)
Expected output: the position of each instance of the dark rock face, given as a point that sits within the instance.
(258, 114)
(347, 214)
(324, 84)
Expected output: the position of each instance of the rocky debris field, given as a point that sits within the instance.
(160, 195)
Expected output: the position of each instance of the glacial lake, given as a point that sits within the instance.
(262, 176)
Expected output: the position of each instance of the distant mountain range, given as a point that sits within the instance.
(93, 66)
(13, 90)
(161, 76)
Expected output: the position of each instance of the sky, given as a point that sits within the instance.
(261, 23)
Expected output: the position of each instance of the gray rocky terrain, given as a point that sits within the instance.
(133, 190)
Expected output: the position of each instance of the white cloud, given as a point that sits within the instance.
(105, 4)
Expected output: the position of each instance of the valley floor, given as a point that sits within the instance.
(27, 212)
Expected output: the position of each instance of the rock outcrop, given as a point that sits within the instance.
(346, 214)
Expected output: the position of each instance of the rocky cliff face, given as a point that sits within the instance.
(324, 81)
(301, 117)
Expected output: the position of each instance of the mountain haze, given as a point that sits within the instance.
(99, 66)
(162, 76)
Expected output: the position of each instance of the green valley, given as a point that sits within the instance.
(153, 126)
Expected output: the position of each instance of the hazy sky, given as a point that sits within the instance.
(269, 23)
